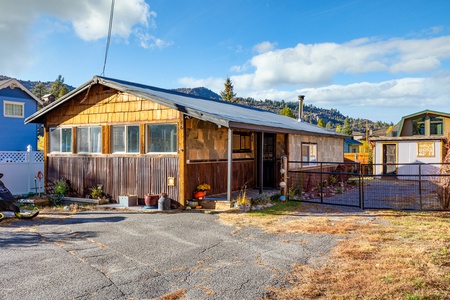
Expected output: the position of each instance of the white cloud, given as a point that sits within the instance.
(386, 100)
(214, 84)
(89, 19)
(264, 47)
(318, 64)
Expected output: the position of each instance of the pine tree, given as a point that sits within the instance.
(40, 90)
(329, 125)
(228, 94)
(347, 129)
(59, 89)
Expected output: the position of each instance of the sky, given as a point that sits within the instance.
(371, 59)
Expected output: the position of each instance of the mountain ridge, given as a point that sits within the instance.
(311, 113)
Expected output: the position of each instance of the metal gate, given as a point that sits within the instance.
(414, 186)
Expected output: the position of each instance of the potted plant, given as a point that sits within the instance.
(200, 191)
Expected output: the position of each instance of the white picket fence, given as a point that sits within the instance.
(21, 170)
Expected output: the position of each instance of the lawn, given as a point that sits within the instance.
(381, 254)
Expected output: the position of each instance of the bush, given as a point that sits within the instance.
(60, 187)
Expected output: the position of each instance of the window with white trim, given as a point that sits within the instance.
(13, 109)
(125, 139)
(89, 139)
(161, 138)
(309, 154)
(61, 140)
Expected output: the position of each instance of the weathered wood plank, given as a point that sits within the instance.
(119, 175)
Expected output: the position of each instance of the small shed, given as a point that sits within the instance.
(138, 139)
(417, 138)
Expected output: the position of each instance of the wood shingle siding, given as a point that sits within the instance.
(110, 107)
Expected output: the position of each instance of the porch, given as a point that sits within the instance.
(219, 201)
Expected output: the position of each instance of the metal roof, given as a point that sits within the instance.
(227, 114)
(352, 142)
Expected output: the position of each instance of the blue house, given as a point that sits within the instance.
(16, 104)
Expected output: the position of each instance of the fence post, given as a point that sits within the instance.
(420, 186)
(28, 159)
(321, 182)
(361, 189)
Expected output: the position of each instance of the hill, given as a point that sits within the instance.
(311, 113)
(30, 84)
(199, 91)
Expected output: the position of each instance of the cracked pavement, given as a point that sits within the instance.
(123, 255)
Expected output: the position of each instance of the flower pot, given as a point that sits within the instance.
(199, 194)
(151, 200)
(147, 200)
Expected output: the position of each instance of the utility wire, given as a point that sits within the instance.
(109, 35)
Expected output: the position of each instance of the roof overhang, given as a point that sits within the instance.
(195, 109)
(408, 138)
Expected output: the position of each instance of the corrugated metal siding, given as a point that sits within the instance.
(136, 175)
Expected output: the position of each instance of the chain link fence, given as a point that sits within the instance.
(414, 186)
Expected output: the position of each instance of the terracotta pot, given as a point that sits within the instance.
(151, 200)
(199, 194)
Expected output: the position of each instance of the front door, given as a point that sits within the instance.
(269, 160)
(390, 159)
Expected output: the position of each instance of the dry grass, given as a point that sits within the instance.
(385, 255)
(180, 294)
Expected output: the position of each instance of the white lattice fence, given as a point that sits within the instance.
(20, 169)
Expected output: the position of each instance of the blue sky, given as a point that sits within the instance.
(379, 59)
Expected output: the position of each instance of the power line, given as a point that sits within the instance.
(109, 35)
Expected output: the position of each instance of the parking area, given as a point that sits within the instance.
(124, 254)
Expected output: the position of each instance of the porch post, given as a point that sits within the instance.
(230, 164)
(261, 164)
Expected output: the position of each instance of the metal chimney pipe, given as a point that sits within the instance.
(300, 107)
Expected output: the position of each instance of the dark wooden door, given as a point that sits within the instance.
(269, 160)
(390, 159)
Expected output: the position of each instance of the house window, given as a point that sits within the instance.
(309, 154)
(89, 139)
(242, 142)
(161, 138)
(436, 125)
(419, 126)
(13, 109)
(125, 139)
(61, 140)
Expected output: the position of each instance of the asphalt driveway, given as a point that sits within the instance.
(123, 255)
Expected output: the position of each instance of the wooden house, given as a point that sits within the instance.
(417, 138)
(17, 103)
(138, 139)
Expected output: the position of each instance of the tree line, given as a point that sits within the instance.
(330, 119)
